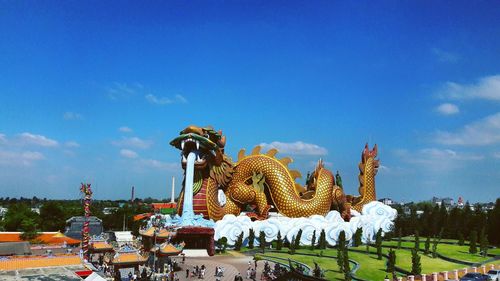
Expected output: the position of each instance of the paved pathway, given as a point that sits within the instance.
(232, 263)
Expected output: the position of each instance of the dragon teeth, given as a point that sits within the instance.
(213, 153)
(182, 144)
(197, 145)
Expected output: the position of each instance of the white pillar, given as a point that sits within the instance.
(455, 274)
(465, 270)
(434, 276)
(483, 267)
(445, 274)
(411, 278)
(492, 266)
(424, 277)
(172, 197)
(474, 269)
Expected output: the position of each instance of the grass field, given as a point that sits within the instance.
(453, 251)
(373, 269)
(403, 260)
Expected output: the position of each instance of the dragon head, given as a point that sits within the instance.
(207, 144)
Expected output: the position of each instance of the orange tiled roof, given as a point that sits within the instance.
(133, 257)
(33, 262)
(101, 245)
(163, 233)
(43, 237)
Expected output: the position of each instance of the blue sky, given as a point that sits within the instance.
(94, 91)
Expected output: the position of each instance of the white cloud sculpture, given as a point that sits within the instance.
(375, 215)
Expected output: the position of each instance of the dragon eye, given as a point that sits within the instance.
(207, 136)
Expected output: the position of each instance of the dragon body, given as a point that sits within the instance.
(259, 182)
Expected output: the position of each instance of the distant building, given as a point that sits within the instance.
(3, 211)
(447, 201)
(74, 227)
(387, 201)
(460, 202)
(109, 210)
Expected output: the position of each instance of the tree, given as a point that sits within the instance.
(347, 266)
(435, 243)
(53, 217)
(483, 243)
(400, 234)
(262, 241)
(391, 262)
(313, 240)
(291, 250)
(417, 241)
(29, 231)
(473, 241)
(356, 241)
(494, 224)
(340, 250)
(251, 238)
(427, 245)
(279, 242)
(460, 238)
(222, 244)
(416, 266)
(17, 214)
(378, 243)
(239, 242)
(297, 239)
(322, 240)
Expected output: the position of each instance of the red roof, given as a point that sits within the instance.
(158, 206)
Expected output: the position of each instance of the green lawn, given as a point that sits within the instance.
(453, 251)
(370, 267)
(495, 251)
(373, 269)
(403, 260)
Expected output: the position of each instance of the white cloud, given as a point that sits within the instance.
(133, 142)
(121, 91)
(125, 129)
(3, 139)
(487, 88)
(28, 138)
(496, 155)
(72, 116)
(23, 158)
(181, 99)
(165, 100)
(483, 132)
(296, 148)
(127, 153)
(435, 159)
(152, 163)
(448, 109)
(72, 144)
(444, 56)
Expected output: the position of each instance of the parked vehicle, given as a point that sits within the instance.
(475, 276)
(494, 274)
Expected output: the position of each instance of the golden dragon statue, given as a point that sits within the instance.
(259, 182)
